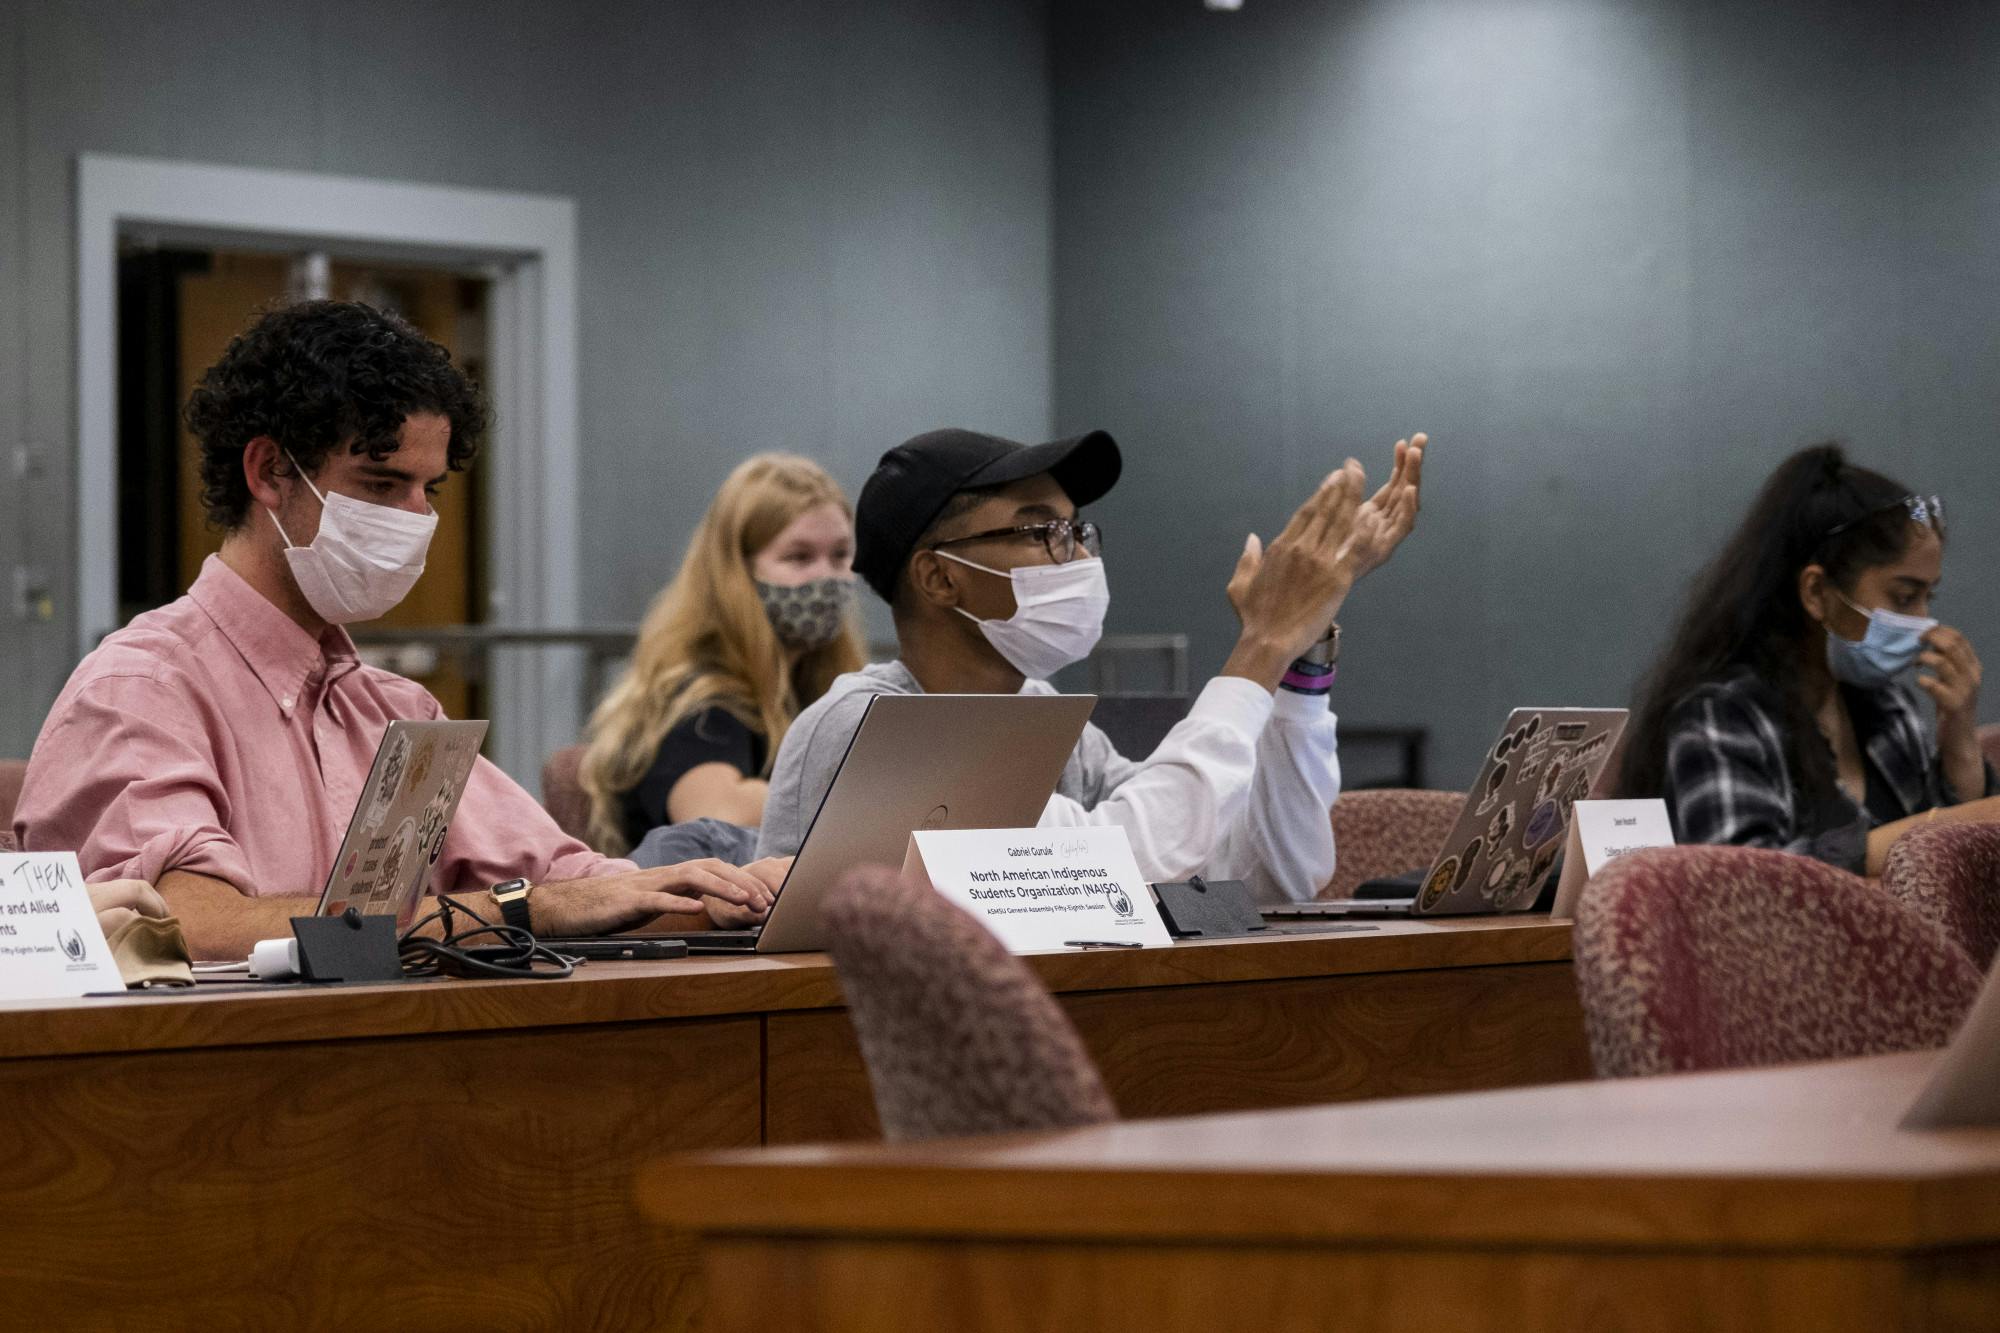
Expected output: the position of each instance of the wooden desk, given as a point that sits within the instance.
(460, 1154)
(1766, 1200)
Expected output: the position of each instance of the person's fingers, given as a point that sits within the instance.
(1302, 517)
(1247, 562)
(1413, 472)
(134, 894)
(1347, 498)
(714, 879)
(771, 872)
(1945, 639)
(1334, 506)
(1385, 496)
(731, 917)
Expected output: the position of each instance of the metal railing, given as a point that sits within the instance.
(420, 650)
(1124, 665)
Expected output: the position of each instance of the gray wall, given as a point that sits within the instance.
(1618, 258)
(816, 226)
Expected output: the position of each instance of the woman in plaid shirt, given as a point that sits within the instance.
(1782, 714)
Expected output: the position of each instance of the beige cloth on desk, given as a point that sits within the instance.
(151, 951)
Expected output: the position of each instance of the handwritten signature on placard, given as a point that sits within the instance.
(1072, 846)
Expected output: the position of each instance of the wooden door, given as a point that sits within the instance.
(449, 308)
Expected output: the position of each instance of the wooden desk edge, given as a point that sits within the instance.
(733, 1195)
(721, 988)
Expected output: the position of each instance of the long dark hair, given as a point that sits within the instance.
(1744, 609)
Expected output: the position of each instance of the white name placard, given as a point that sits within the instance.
(1042, 889)
(1965, 1090)
(1599, 833)
(50, 945)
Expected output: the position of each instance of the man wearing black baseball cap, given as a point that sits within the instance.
(997, 582)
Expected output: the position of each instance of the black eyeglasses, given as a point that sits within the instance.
(1060, 536)
(1925, 509)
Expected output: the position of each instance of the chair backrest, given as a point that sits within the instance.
(959, 1037)
(1949, 874)
(1989, 743)
(1384, 831)
(562, 791)
(1137, 723)
(13, 772)
(1726, 957)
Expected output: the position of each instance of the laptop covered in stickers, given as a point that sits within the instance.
(397, 831)
(1513, 826)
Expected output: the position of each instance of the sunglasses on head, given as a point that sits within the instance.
(1925, 509)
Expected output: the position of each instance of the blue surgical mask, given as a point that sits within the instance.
(1889, 648)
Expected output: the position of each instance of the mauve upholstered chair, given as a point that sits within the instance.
(562, 791)
(1386, 831)
(958, 1035)
(1949, 874)
(12, 773)
(1693, 958)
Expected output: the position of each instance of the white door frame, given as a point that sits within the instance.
(528, 243)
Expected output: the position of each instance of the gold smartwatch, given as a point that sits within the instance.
(513, 899)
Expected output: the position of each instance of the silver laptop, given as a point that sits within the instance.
(397, 830)
(1515, 820)
(917, 761)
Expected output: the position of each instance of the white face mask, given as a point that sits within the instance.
(1058, 614)
(365, 559)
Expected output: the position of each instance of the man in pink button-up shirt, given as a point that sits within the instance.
(216, 747)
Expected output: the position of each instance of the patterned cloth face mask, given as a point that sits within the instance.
(808, 615)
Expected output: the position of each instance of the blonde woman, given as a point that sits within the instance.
(755, 626)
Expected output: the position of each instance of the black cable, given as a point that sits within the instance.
(514, 953)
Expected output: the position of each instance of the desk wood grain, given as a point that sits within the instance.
(475, 1182)
(460, 1154)
(1243, 1045)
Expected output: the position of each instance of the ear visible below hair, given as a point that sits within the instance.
(932, 580)
(1813, 585)
(264, 463)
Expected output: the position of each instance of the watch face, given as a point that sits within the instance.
(513, 888)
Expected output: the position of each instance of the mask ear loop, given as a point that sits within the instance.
(300, 473)
(970, 564)
(973, 564)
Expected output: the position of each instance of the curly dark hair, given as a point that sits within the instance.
(318, 375)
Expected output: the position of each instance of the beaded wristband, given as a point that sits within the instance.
(1306, 677)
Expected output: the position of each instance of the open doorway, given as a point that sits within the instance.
(523, 521)
(178, 308)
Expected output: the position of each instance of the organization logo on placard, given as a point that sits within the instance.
(1119, 900)
(71, 942)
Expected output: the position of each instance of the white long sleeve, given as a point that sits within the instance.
(1239, 789)
(1282, 842)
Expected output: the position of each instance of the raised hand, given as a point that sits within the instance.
(1949, 671)
(1287, 594)
(1389, 515)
